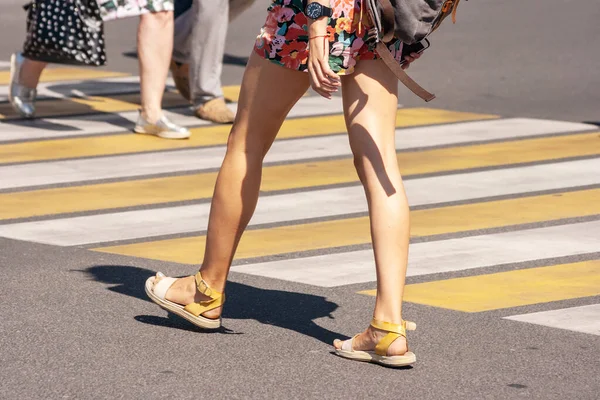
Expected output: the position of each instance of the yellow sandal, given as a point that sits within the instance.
(192, 312)
(380, 356)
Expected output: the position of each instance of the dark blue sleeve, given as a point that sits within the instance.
(182, 6)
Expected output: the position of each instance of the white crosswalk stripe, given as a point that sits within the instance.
(54, 172)
(584, 319)
(123, 122)
(76, 88)
(304, 205)
(439, 256)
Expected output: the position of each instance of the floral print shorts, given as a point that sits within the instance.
(116, 9)
(284, 37)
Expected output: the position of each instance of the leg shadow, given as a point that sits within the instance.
(288, 310)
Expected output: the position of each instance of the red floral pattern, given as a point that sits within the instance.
(284, 37)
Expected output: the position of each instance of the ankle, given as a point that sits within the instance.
(214, 281)
(391, 316)
(151, 115)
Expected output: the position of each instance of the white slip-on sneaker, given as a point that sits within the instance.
(163, 128)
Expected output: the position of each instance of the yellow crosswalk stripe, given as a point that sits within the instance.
(93, 104)
(67, 74)
(231, 93)
(508, 289)
(288, 176)
(205, 136)
(354, 231)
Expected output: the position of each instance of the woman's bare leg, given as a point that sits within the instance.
(370, 102)
(267, 94)
(155, 45)
(30, 73)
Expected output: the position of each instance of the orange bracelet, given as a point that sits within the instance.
(318, 36)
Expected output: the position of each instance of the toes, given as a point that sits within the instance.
(346, 345)
(157, 278)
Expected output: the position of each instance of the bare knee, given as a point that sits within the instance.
(377, 170)
(251, 146)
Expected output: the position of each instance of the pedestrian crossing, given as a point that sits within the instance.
(65, 75)
(489, 197)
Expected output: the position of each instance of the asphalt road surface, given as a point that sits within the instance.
(502, 173)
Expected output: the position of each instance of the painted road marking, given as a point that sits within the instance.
(272, 209)
(206, 136)
(311, 173)
(352, 231)
(78, 88)
(439, 256)
(508, 289)
(102, 87)
(307, 106)
(90, 105)
(67, 74)
(584, 319)
(293, 149)
(287, 207)
(123, 122)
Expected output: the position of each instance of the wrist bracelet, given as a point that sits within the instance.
(318, 36)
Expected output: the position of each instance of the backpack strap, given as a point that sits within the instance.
(402, 76)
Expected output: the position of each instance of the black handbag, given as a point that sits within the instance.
(65, 32)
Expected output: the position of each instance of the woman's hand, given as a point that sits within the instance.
(322, 78)
(409, 59)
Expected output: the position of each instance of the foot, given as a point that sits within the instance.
(215, 110)
(163, 128)
(367, 341)
(181, 77)
(183, 292)
(21, 97)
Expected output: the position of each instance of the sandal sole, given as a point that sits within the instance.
(200, 321)
(405, 360)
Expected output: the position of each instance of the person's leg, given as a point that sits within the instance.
(180, 70)
(155, 45)
(370, 103)
(30, 73)
(206, 59)
(24, 77)
(267, 94)
(182, 35)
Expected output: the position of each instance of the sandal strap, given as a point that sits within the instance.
(394, 332)
(217, 299)
(389, 327)
(385, 343)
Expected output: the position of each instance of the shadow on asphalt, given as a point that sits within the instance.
(288, 310)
